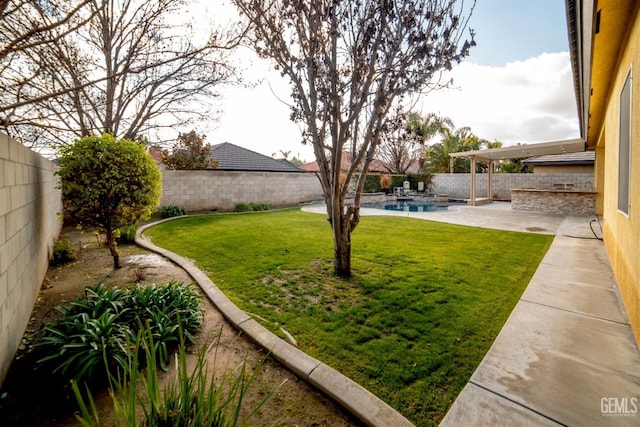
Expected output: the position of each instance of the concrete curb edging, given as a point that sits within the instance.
(352, 396)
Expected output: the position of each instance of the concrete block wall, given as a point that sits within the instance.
(221, 190)
(29, 225)
(458, 185)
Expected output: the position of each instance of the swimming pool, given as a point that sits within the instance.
(416, 205)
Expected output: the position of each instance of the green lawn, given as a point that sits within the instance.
(424, 304)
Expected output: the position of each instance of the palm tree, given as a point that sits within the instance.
(423, 129)
(437, 156)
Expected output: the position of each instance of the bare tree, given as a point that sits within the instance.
(405, 135)
(397, 147)
(136, 65)
(348, 63)
(24, 26)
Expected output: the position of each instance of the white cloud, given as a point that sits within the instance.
(257, 117)
(524, 101)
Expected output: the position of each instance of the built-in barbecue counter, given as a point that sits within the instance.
(562, 198)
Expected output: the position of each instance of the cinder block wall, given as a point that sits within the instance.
(29, 225)
(458, 185)
(221, 190)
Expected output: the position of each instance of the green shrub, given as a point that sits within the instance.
(259, 206)
(248, 207)
(414, 179)
(372, 183)
(93, 335)
(63, 252)
(171, 211)
(167, 308)
(127, 234)
(242, 207)
(397, 181)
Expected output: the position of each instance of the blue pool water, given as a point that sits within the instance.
(410, 206)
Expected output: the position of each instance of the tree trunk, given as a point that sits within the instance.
(342, 253)
(343, 224)
(111, 243)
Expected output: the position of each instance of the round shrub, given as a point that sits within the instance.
(171, 211)
(63, 252)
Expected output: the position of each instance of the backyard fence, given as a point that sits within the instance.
(29, 226)
(207, 190)
(458, 185)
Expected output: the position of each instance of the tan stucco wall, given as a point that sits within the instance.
(621, 232)
(29, 225)
(599, 177)
(563, 169)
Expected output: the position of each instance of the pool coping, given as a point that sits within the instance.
(352, 396)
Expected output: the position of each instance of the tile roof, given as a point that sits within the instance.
(580, 158)
(231, 157)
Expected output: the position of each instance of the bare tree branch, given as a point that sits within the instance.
(134, 66)
(349, 62)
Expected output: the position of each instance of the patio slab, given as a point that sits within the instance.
(577, 290)
(489, 409)
(496, 215)
(566, 353)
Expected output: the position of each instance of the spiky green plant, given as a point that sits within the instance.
(193, 398)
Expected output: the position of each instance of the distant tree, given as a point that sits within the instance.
(397, 148)
(423, 129)
(514, 166)
(293, 160)
(437, 156)
(108, 183)
(349, 63)
(134, 66)
(405, 137)
(189, 152)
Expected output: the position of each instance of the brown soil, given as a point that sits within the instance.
(28, 398)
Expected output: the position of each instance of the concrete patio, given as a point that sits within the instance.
(566, 355)
(496, 215)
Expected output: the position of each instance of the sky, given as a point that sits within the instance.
(516, 86)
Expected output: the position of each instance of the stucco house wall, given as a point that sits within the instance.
(563, 169)
(622, 231)
(29, 225)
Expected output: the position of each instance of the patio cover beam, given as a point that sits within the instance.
(516, 152)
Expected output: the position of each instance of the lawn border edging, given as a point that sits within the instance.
(352, 396)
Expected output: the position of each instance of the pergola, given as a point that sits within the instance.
(514, 152)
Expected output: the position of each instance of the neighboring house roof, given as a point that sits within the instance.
(310, 167)
(231, 157)
(585, 158)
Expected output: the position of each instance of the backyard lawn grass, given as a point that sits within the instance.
(425, 302)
